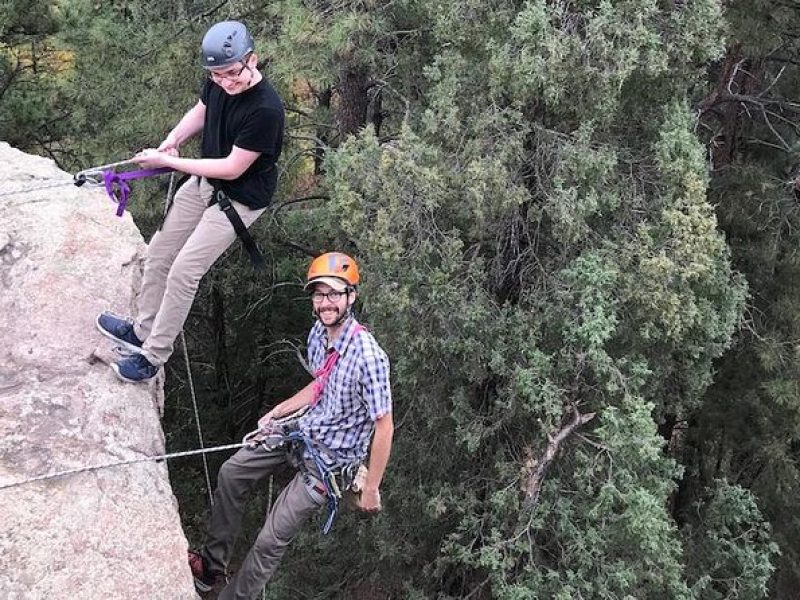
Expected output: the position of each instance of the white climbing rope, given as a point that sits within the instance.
(187, 362)
(119, 463)
(196, 416)
(28, 189)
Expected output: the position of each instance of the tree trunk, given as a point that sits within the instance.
(351, 109)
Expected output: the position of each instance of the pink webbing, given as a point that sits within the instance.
(321, 375)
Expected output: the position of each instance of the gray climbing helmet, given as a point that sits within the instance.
(225, 44)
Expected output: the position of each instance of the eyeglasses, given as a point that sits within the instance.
(333, 296)
(229, 75)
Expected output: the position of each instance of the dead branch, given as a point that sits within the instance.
(307, 250)
(759, 101)
(286, 203)
(536, 477)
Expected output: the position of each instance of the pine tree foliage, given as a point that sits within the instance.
(30, 67)
(534, 255)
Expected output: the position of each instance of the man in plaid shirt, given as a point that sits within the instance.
(349, 415)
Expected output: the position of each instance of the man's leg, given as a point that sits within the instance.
(296, 503)
(236, 477)
(187, 209)
(205, 245)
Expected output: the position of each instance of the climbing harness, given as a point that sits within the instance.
(116, 184)
(221, 198)
(299, 446)
(327, 475)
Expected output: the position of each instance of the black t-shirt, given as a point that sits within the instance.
(252, 120)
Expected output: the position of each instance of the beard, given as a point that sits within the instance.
(329, 316)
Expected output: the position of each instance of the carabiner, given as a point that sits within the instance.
(94, 175)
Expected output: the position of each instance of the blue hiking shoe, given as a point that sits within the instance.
(135, 369)
(119, 329)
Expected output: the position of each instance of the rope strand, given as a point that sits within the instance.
(158, 458)
(187, 362)
(36, 188)
(197, 417)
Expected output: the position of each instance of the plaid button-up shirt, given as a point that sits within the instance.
(356, 394)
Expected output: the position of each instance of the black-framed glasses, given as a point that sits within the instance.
(230, 75)
(333, 296)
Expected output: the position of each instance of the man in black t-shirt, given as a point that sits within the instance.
(241, 118)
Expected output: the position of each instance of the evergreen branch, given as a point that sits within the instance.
(596, 445)
(782, 59)
(307, 138)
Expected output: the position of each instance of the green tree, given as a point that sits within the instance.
(31, 68)
(747, 429)
(539, 247)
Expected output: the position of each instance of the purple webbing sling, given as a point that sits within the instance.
(117, 186)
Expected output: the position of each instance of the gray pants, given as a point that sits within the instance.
(193, 236)
(295, 504)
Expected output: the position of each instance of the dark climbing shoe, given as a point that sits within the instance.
(203, 580)
(119, 329)
(135, 369)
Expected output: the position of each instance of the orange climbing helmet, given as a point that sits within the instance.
(334, 269)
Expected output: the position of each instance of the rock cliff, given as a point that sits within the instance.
(112, 533)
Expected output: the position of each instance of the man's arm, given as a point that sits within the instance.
(189, 126)
(230, 167)
(370, 499)
(299, 400)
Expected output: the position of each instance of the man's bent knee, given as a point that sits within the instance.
(184, 278)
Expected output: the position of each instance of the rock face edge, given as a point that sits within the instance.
(112, 533)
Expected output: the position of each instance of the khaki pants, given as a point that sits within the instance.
(192, 238)
(295, 504)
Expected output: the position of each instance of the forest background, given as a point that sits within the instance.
(578, 241)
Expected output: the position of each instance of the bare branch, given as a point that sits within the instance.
(301, 247)
(754, 100)
(536, 477)
(774, 131)
(297, 200)
(294, 109)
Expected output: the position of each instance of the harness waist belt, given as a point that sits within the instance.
(226, 207)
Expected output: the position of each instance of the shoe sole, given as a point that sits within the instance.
(111, 336)
(122, 377)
